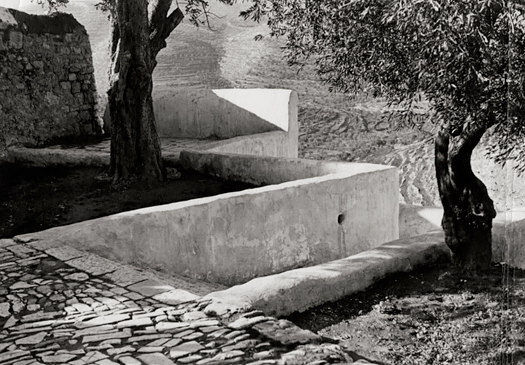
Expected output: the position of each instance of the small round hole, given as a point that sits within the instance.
(340, 218)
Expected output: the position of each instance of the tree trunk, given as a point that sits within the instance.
(468, 209)
(135, 42)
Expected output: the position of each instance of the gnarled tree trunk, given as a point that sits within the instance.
(135, 42)
(468, 209)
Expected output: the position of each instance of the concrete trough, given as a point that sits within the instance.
(307, 213)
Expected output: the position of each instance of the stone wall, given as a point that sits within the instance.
(47, 85)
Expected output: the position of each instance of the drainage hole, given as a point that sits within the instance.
(340, 218)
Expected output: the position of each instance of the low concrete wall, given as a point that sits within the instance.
(508, 231)
(275, 144)
(230, 113)
(232, 238)
(268, 170)
(415, 220)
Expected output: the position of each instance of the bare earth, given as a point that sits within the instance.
(433, 315)
(38, 198)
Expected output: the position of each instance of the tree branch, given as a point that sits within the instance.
(470, 136)
(161, 25)
(158, 11)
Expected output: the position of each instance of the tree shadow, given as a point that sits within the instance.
(430, 282)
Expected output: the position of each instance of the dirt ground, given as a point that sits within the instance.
(34, 199)
(434, 315)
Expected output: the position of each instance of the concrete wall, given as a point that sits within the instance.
(261, 122)
(47, 87)
(415, 220)
(234, 237)
(230, 113)
(268, 170)
(275, 144)
(300, 289)
(508, 238)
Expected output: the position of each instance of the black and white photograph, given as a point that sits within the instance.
(262, 182)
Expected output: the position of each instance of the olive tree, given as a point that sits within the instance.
(466, 58)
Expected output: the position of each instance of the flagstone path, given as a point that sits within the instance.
(59, 305)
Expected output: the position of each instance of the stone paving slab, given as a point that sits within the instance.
(125, 276)
(94, 265)
(65, 253)
(150, 287)
(39, 244)
(4, 242)
(56, 313)
(176, 296)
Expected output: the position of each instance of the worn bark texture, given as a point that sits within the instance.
(138, 34)
(468, 209)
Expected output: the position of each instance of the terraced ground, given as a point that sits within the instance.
(333, 126)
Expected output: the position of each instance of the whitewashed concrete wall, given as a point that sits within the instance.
(268, 170)
(508, 238)
(232, 238)
(267, 116)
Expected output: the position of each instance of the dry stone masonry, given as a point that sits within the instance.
(47, 86)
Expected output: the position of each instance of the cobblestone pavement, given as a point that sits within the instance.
(59, 305)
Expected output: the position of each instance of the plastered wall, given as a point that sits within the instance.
(332, 211)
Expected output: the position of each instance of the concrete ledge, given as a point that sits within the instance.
(52, 156)
(266, 170)
(272, 144)
(301, 289)
(275, 144)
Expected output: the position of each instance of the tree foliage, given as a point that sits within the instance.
(466, 57)
(197, 12)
